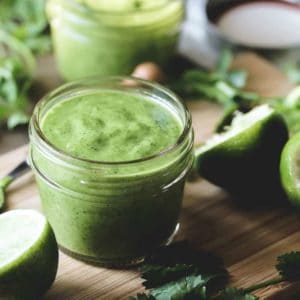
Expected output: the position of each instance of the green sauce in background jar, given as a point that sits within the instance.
(110, 158)
(111, 37)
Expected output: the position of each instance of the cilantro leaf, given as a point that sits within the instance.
(289, 107)
(24, 31)
(17, 66)
(17, 118)
(156, 275)
(288, 265)
(170, 277)
(179, 271)
(14, 84)
(238, 78)
(183, 253)
(293, 72)
(26, 21)
(225, 86)
(221, 85)
(4, 182)
(235, 294)
(224, 61)
(189, 287)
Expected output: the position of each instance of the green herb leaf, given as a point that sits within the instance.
(26, 21)
(221, 85)
(288, 265)
(24, 29)
(16, 72)
(156, 275)
(225, 86)
(289, 107)
(293, 72)
(16, 119)
(237, 78)
(182, 253)
(235, 294)
(4, 182)
(179, 272)
(225, 61)
(189, 287)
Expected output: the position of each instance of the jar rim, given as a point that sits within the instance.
(84, 82)
(81, 6)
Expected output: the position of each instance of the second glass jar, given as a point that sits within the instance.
(108, 39)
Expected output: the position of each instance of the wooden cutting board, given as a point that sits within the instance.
(248, 240)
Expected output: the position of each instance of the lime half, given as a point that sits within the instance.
(290, 169)
(28, 255)
(244, 159)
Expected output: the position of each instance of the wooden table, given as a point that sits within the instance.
(248, 240)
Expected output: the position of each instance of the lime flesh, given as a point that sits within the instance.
(244, 160)
(28, 255)
(290, 169)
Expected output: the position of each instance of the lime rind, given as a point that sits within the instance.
(290, 169)
(239, 126)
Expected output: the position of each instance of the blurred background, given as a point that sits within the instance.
(28, 68)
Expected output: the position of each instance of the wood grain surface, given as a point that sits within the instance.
(248, 240)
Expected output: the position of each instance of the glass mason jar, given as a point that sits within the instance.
(112, 213)
(109, 39)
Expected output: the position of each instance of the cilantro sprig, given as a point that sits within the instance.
(26, 21)
(288, 265)
(226, 86)
(179, 272)
(289, 107)
(293, 72)
(222, 85)
(17, 66)
(23, 33)
(288, 268)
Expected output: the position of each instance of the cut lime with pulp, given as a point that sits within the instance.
(290, 169)
(28, 255)
(244, 159)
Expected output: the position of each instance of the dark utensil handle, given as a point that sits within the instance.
(19, 170)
